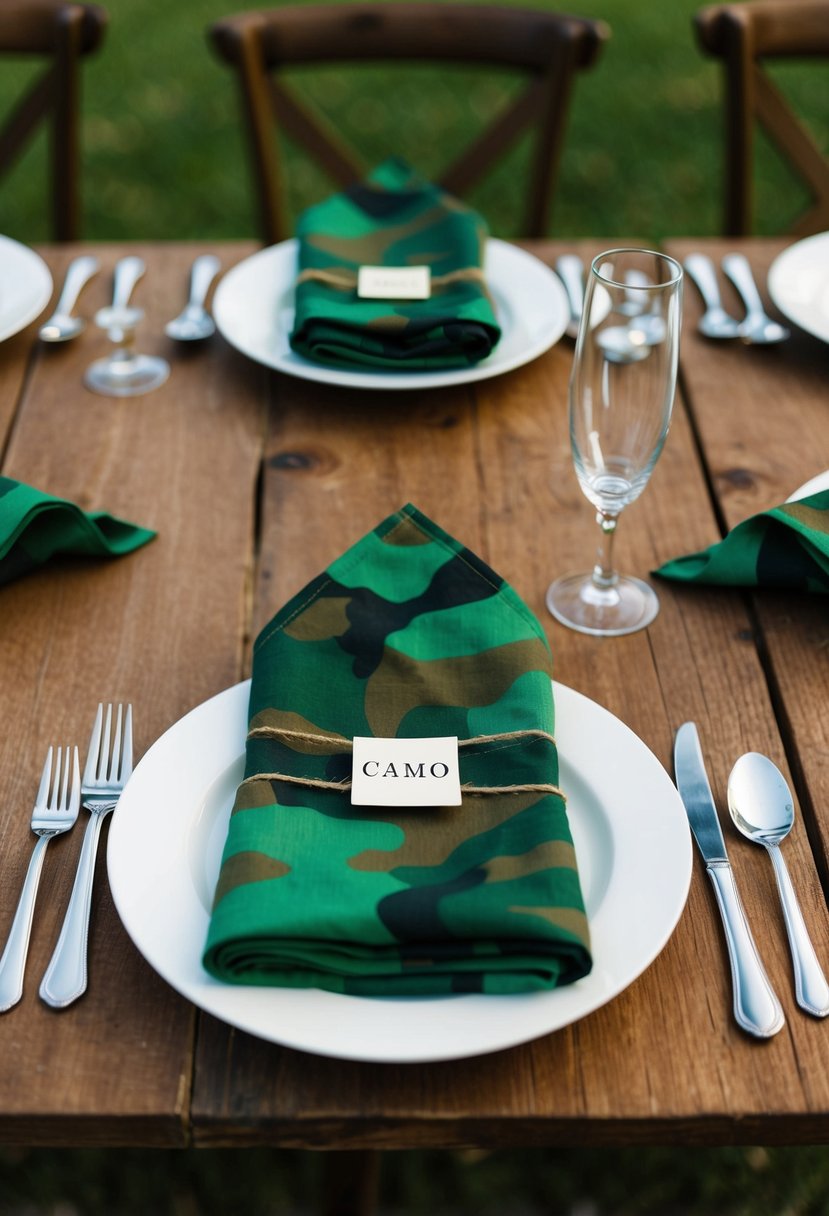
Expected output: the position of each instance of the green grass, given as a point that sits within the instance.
(163, 157)
(580, 1182)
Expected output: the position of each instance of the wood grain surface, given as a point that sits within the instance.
(256, 481)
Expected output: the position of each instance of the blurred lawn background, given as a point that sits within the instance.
(163, 159)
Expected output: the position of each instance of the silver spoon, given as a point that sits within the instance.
(62, 326)
(756, 328)
(570, 269)
(195, 322)
(761, 806)
(715, 322)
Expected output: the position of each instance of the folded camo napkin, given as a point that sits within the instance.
(787, 546)
(34, 526)
(395, 219)
(408, 635)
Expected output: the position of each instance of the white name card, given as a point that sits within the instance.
(405, 772)
(394, 282)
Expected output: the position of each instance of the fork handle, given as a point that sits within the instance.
(13, 962)
(65, 978)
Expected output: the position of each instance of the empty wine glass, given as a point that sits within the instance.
(621, 397)
(124, 372)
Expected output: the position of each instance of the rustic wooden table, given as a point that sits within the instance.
(255, 481)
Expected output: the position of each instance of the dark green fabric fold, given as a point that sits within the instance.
(407, 635)
(35, 526)
(786, 547)
(393, 219)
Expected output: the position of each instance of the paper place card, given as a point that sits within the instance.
(394, 282)
(405, 772)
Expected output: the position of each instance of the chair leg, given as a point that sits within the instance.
(351, 1183)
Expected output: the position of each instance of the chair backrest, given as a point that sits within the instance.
(744, 37)
(60, 33)
(547, 48)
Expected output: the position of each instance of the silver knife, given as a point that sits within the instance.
(756, 1008)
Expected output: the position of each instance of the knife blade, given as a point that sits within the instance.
(756, 1007)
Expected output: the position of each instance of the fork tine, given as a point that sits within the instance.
(57, 775)
(45, 779)
(126, 757)
(103, 760)
(115, 752)
(74, 803)
(90, 771)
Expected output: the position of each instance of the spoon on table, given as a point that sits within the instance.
(762, 808)
(756, 328)
(715, 322)
(195, 322)
(62, 326)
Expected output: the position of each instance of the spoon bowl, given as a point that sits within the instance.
(61, 328)
(192, 325)
(762, 808)
(716, 323)
(760, 330)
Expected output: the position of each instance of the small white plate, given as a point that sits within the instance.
(165, 845)
(25, 286)
(798, 284)
(254, 310)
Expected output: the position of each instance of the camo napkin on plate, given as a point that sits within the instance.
(407, 635)
(35, 526)
(393, 219)
(787, 546)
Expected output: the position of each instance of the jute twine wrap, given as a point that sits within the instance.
(339, 743)
(346, 280)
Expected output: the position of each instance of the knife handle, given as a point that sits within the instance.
(756, 1008)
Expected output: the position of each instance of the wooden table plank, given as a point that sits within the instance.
(165, 628)
(664, 1061)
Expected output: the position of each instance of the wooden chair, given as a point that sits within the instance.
(744, 37)
(548, 48)
(61, 33)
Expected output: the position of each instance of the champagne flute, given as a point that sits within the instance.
(124, 372)
(621, 397)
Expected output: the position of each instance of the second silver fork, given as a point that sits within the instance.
(108, 766)
(53, 813)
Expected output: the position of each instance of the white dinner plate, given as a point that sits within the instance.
(798, 284)
(254, 309)
(25, 286)
(165, 844)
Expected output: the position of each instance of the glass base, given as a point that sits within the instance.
(578, 603)
(126, 377)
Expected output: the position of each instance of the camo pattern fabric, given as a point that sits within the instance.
(407, 635)
(35, 526)
(785, 547)
(395, 218)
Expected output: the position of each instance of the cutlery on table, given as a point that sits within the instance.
(62, 326)
(108, 765)
(715, 322)
(53, 813)
(762, 808)
(570, 269)
(195, 322)
(756, 327)
(756, 1007)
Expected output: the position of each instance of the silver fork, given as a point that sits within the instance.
(108, 766)
(53, 813)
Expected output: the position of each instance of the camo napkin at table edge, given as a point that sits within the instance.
(393, 219)
(407, 634)
(36, 526)
(785, 547)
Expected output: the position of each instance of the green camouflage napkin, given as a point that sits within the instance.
(34, 526)
(407, 635)
(394, 219)
(787, 546)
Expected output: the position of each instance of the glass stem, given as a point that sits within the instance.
(604, 576)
